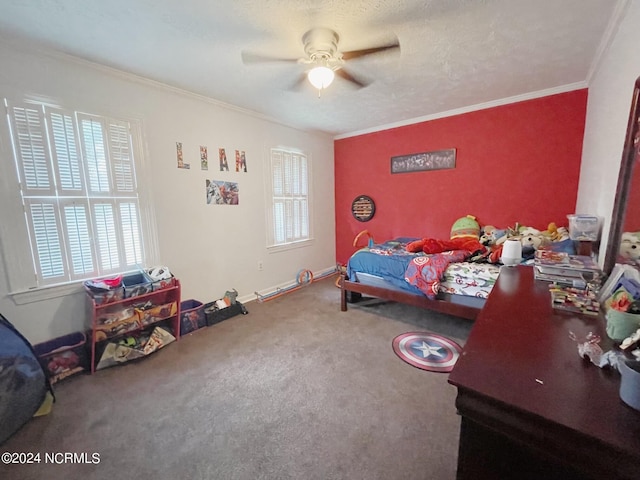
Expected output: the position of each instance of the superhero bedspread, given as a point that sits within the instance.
(422, 273)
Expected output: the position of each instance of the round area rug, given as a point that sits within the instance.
(427, 351)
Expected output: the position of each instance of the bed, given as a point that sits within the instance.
(445, 282)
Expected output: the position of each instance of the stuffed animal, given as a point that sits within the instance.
(492, 236)
(487, 238)
(510, 232)
(553, 233)
(528, 231)
(630, 245)
(532, 241)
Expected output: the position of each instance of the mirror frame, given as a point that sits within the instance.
(629, 154)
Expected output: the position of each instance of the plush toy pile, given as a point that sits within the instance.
(553, 238)
(485, 243)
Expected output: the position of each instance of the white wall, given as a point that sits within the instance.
(610, 91)
(210, 248)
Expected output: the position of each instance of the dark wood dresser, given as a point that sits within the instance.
(531, 408)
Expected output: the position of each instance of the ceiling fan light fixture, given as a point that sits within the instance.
(320, 77)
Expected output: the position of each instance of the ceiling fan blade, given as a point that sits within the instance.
(250, 58)
(368, 51)
(349, 77)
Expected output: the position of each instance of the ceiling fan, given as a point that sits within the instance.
(323, 59)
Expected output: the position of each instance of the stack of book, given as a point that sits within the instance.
(575, 300)
(574, 279)
(561, 268)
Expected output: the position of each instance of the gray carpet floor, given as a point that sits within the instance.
(296, 389)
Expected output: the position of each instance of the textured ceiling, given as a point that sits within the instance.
(454, 53)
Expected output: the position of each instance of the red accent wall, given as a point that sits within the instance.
(514, 163)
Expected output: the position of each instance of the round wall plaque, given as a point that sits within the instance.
(363, 208)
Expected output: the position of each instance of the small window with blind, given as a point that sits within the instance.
(289, 215)
(78, 184)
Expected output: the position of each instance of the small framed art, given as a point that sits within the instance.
(420, 162)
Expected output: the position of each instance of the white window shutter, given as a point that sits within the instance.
(78, 186)
(131, 233)
(47, 243)
(31, 149)
(304, 177)
(288, 219)
(304, 218)
(277, 187)
(106, 238)
(295, 175)
(290, 202)
(303, 182)
(279, 222)
(122, 166)
(76, 220)
(65, 151)
(93, 144)
(276, 173)
(287, 173)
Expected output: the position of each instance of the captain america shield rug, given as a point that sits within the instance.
(427, 351)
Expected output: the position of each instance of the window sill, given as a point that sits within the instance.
(290, 246)
(38, 294)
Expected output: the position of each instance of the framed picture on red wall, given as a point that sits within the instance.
(420, 162)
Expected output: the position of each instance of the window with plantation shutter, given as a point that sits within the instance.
(30, 146)
(289, 214)
(78, 185)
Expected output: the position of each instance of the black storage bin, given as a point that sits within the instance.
(215, 315)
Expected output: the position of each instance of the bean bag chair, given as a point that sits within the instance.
(23, 382)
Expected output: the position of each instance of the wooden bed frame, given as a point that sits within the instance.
(442, 306)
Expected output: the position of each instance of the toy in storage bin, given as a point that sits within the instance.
(191, 316)
(107, 296)
(136, 284)
(105, 290)
(585, 228)
(63, 356)
(214, 315)
(162, 284)
(161, 277)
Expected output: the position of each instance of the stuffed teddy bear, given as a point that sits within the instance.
(492, 236)
(630, 245)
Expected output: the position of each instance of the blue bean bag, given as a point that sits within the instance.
(23, 382)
